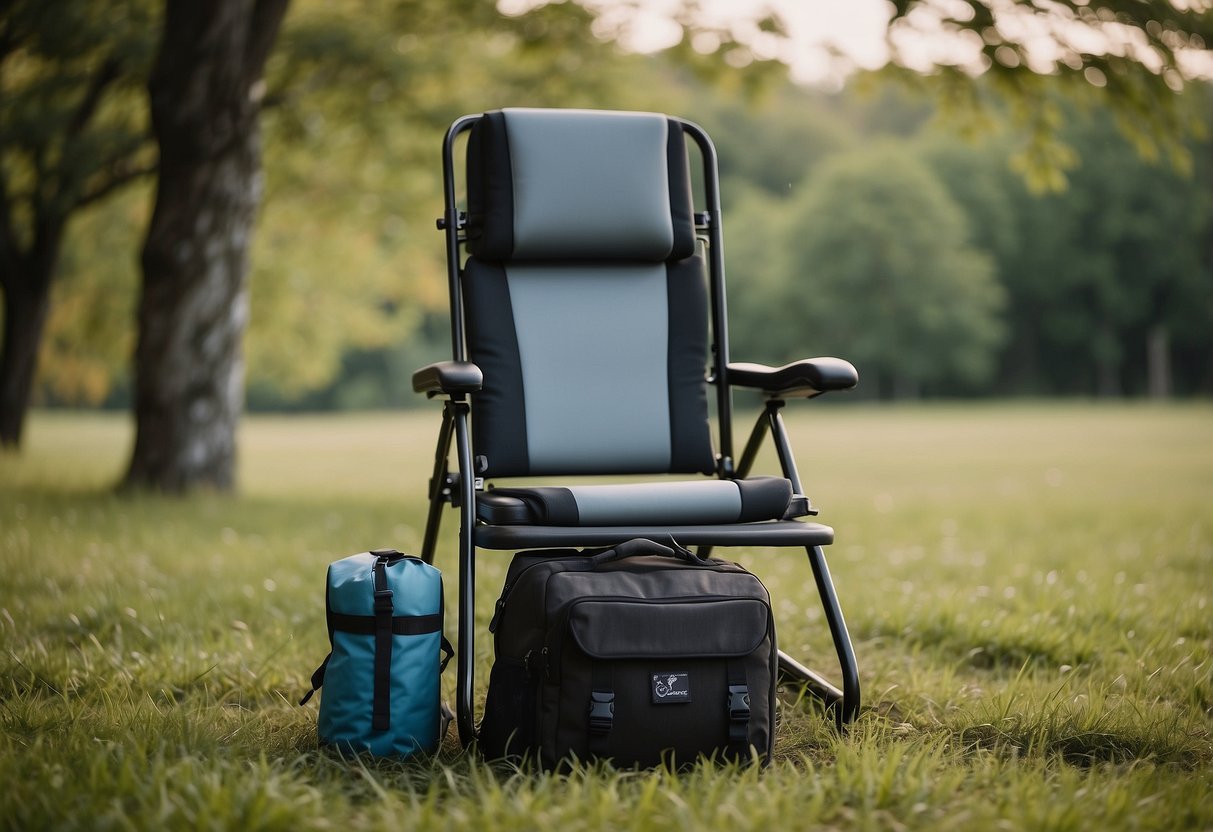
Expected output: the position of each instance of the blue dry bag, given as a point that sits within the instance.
(381, 678)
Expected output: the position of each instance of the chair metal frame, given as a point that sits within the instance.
(458, 379)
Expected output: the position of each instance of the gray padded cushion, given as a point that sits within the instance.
(572, 198)
(717, 501)
(601, 367)
(586, 333)
(710, 502)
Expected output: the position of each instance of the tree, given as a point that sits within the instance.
(879, 270)
(72, 132)
(1114, 273)
(206, 90)
(1110, 281)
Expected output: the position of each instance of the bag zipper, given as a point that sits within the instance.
(509, 586)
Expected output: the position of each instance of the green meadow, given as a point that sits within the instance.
(1028, 586)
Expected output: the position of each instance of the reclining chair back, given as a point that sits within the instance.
(585, 299)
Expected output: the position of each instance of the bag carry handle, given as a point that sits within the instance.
(643, 546)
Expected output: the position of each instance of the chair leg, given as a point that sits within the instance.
(846, 709)
(438, 488)
(795, 672)
(455, 425)
(465, 680)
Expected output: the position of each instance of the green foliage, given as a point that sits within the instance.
(73, 132)
(1030, 660)
(90, 336)
(878, 268)
(772, 143)
(1092, 271)
(73, 125)
(348, 283)
(1138, 59)
(1094, 277)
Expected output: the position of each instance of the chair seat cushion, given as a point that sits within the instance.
(709, 502)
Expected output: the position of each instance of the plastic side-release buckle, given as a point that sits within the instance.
(383, 600)
(739, 703)
(602, 711)
(739, 714)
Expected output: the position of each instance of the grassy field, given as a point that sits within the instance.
(1028, 587)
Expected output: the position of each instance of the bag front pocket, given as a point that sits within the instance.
(644, 682)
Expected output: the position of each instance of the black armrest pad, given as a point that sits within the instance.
(448, 377)
(807, 377)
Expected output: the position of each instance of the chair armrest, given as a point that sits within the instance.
(448, 378)
(805, 378)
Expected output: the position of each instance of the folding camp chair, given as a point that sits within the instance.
(588, 321)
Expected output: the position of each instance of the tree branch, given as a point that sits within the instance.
(10, 253)
(263, 31)
(10, 34)
(106, 74)
(121, 175)
(63, 185)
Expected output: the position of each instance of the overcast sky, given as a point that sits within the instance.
(830, 38)
(855, 28)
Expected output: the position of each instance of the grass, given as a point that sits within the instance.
(1028, 587)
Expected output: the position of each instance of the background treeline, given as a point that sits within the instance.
(858, 223)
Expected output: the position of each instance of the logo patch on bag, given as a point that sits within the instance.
(671, 688)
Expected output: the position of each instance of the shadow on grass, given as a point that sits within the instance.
(1009, 645)
(1088, 747)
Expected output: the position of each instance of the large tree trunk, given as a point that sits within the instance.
(26, 304)
(189, 374)
(25, 277)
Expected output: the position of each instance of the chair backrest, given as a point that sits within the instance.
(585, 302)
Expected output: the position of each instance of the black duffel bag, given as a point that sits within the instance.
(642, 654)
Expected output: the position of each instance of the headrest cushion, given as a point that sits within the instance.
(578, 185)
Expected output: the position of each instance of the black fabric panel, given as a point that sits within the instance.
(499, 409)
(690, 433)
(549, 505)
(764, 498)
(508, 729)
(682, 212)
(490, 187)
(615, 628)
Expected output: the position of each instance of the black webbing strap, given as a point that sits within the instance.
(447, 653)
(317, 679)
(738, 704)
(402, 625)
(602, 709)
(381, 709)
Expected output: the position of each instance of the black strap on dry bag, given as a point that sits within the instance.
(381, 709)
